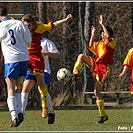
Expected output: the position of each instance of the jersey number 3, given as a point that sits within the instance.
(13, 41)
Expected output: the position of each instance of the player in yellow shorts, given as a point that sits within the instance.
(100, 66)
(128, 65)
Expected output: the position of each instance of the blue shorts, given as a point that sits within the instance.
(32, 76)
(15, 70)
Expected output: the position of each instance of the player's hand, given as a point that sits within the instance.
(44, 53)
(69, 17)
(93, 30)
(100, 19)
(121, 76)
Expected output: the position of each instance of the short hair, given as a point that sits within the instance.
(109, 29)
(29, 18)
(3, 10)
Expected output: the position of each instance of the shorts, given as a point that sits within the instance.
(15, 70)
(131, 87)
(36, 63)
(99, 71)
(31, 76)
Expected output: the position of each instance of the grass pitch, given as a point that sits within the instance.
(71, 120)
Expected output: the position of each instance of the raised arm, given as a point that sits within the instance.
(59, 22)
(104, 28)
(93, 31)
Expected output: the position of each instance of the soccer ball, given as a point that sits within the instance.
(64, 75)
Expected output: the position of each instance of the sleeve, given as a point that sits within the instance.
(1, 33)
(49, 46)
(41, 28)
(27, 35)
(110, 42)
(93, 47)
(127, 61)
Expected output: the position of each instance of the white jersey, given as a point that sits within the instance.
(48, 45)
(14, 38)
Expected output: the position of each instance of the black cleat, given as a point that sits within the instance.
(14, 123)
(51, 118)
(102, 119)
(20, 118)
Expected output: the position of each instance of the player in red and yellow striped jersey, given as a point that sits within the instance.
(36, 61)
(100, 66)
(128, 64)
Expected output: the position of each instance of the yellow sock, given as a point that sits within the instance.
(43, 93)
(77, 68)
(100, 104)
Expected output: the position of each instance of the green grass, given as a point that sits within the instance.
(72, 120)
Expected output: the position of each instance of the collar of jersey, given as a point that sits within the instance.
(7, 18)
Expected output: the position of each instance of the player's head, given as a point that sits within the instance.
(109, 29)
(3, 10)
(30, 21)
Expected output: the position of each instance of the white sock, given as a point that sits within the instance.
(50, 107)
(24, 100)
(18, 102)
(11, 102)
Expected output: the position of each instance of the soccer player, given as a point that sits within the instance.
(100, 66)
(128, 65)
(14, 39)
(36, 61)
(48, 50)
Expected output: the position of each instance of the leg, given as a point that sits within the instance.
(50, 107)
(51, 114)
(27, 86)
(100, 104)
(18, 94)
(18, 99)
(42, 87)
(11, 101)
(79, 64)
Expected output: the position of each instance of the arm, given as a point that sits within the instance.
(49, 49)
(59, 22)
(53, 55)
(124, 71)
(93, 31)
(104, 28)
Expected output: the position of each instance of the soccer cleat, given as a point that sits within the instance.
(45, 113)
(102, 119)
(14, 123)
(51, 118)
(20, 117)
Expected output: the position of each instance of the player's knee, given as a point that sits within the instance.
(96, 93)
(80, 57)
